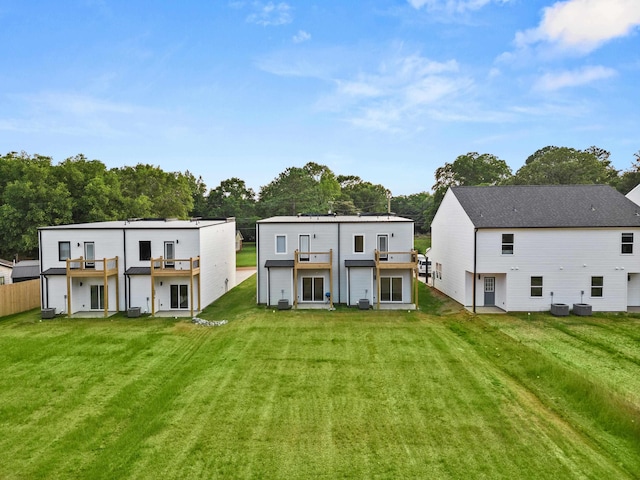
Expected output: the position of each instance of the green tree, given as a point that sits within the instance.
(198, 194)
(310, 189)
(149, 191)
(566, 166)
(96, 194)
(34, 200)
(629, 179)
(417, 206)
(471, 169)
(365, 196)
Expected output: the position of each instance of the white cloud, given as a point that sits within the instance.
(301, 36)
(573, 78)
(270, 14)
(453, 6)
(401, 89)
(583, 25)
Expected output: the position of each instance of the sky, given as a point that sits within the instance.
(387, 90)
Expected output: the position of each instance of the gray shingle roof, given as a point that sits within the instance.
(547, 206)
(26, 269)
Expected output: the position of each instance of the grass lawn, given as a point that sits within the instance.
(247, 256)
(421, 242)
(436, 393)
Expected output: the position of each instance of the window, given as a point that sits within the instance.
(89, 254)
(507, 243)
(536, 286)
(597, 285)
(305, 243)
(627, 243)
(383, 246)
(358, 243)
(179, 296)
(438, 273)
(281, 244)
(169, 254)
(390, 289)
(145, 250)
(97, 297)
(64, 251)
(1, 280)
(312, 289)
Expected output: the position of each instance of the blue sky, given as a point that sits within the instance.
(386, 90)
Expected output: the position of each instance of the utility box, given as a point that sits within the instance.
(133, 312)
(582, 309)
(48, 313)
(559, 309)
(284, 304)
(363, 304)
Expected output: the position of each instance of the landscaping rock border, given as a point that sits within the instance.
(208, 323)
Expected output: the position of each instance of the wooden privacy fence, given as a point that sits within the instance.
(19, 297)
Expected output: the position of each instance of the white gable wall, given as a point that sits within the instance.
(218, 261)
(452, 239)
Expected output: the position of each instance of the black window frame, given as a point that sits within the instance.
(356, 245)
(538, 288)
(597, 291)
(626, 244)
(146, 244)
(508, 243)
(60, 244)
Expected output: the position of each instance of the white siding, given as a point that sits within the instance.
(281, 285)
(452, 238)
(566, 259)
(218, 265)
(337, 236)
(361, 285)
(214, 243)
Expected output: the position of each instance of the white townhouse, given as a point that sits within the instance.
(311, 261)
(177, 266)
(522, 248)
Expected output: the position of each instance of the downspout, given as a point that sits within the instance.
(339, 269)
(42, 302)
(475, 264)
(127, 288)
(258, 266)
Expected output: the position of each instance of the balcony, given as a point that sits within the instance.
(313, 260)
(81, 267)
(93, 268)
(396, 260)
(175, 267)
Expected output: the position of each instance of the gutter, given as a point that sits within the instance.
(475, 265)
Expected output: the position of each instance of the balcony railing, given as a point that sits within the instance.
(94, 267)
(313, 260)
(388, 260)
(175, 266)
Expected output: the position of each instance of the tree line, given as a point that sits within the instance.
(35, 192)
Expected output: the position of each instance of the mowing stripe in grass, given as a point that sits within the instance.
(597, 412)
